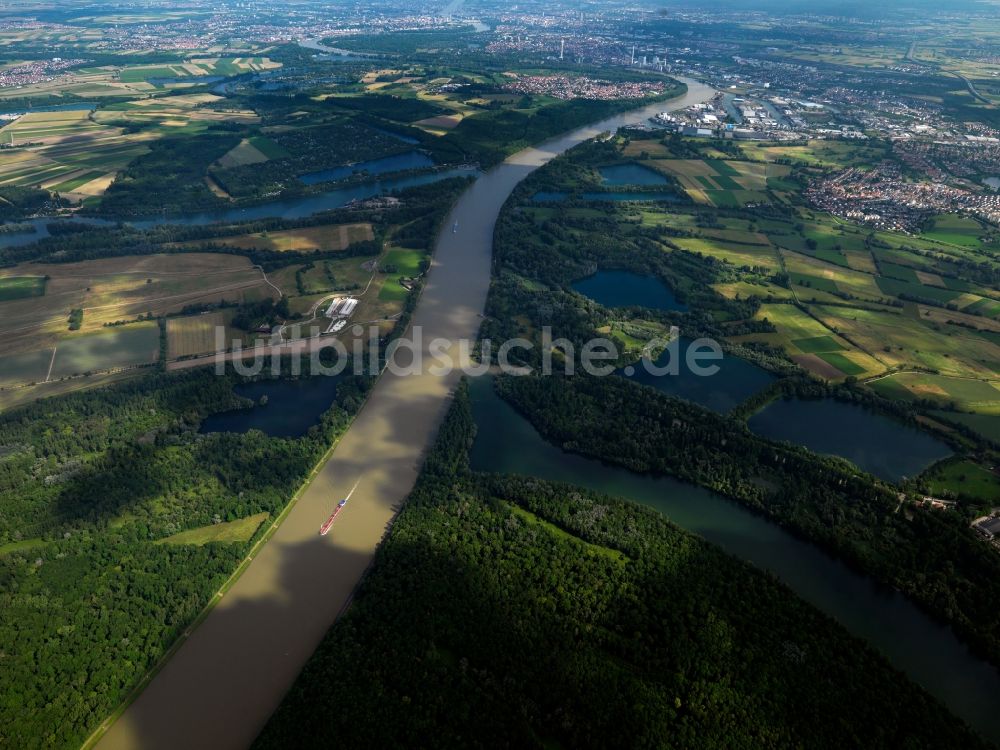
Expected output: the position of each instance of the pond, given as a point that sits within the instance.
(396, 163)
(888, 449)
(293, 406)
(624, 289)
(929, 653)
(735, 381)
(631, 174)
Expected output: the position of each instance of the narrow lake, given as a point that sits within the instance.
(880, 445)
(289, 208)
(630, 174)
(293, 406)
(397, 163)
(624, 289)
(926, 651)
(736, 380)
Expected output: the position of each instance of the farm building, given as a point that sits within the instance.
(341, 307)
(989, 527)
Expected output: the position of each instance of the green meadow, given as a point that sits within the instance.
(20, 287)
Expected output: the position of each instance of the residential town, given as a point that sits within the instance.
(577, 87)
(36, 71)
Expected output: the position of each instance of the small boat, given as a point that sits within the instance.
(454, 227)
(328, 524)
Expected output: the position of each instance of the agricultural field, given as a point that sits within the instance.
(647, 149)
(719, 182)
(227, 532)
(194, 68)
(742, 289)
(14, 394)
(953, 229)
(809, 273)
(743, 255)
(174, 114)
(400, 263)
(827, 154)
(119, 347)
(245, 152)
(864, 301)
(963, 478)
(374, 282)
(355, 276)
(813, 345)
(112, 290)
(967, 394)
(902, 340)
(27, 367)
(326, 237)
(47, 127)
(78, 153)
(191, 335)
(67, 152)
(20, 287)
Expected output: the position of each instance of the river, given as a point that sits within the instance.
(222, 683)
(928, 652)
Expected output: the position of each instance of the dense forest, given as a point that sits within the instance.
(90, 483)
(933, 557)
(170, 179)
(303, 150)
(19, 202)
(510, 612)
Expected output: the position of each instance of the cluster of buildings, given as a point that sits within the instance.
(880, 197)
(727, 116)
(339, 311)
(582, 87)
(35, 71)
(590, 48)
(971, 158)
(989, 528)
(142, 37)
(249, 21)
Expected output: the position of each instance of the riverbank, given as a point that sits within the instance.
(227, 677)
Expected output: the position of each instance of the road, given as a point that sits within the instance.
(972, 88)
(221, 685)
